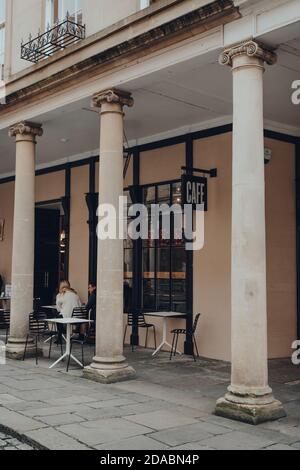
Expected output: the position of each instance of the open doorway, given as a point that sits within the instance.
(50, 250)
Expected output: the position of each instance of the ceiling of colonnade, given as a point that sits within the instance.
(186, 96)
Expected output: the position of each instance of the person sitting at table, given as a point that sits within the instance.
(92, 303)
(66, 300)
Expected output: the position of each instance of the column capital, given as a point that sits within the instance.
(26, 128)
(250, 48)
(112, 96)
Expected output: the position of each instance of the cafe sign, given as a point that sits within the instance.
(194, 191)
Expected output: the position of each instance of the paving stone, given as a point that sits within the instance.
(135, 443)
(58, 420)
(36, 395)
(25, 405)
(103, 431)
(74, 400)
(12, 441)
(100, 413)
(193, 446)
(237, 440)
(280, 447)
(191, 433)
(112, 403)
(276, 437)
(6, 399)
(53, 439)
(18, 422)
(139, 408)
(54, 410)
(162, 419)
(181, 435)
(24, 447)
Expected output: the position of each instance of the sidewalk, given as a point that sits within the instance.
(169, 406)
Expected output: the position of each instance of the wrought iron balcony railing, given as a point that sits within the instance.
(55, 39)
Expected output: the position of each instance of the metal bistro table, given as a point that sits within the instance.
(69, 322)
(165, 316)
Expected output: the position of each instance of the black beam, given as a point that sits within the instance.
(137, 258)
(66, 202)
(297, 158)
(188, 345)
(92, 204)
(212, 173)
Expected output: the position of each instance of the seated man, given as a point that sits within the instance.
(92, 302)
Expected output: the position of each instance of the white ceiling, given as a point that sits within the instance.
(180, 96)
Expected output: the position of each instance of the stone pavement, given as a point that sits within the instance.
(169, 406)
(7, 442)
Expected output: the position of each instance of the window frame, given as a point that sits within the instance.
(58, 12)
(2, 51)
(168, 278)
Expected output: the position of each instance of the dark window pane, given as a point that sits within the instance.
(178, 263)
(149, 263)
(179, 296)
(128, 256)
(177, 199)
(149, 302)
(149, 195)
(164, 194)
(163, 263)
(163, 295)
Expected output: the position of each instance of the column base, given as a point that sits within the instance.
(15, 349)
(108, 371)
(250, 409)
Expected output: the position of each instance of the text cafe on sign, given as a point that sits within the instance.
(195, 188)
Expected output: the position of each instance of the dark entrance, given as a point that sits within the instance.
(47, 254)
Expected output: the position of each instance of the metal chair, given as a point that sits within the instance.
(181, 331)
(5, 322)
(80, 312)
(37, 327)
(141, 324)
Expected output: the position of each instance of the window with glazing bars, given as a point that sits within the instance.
(56, 10)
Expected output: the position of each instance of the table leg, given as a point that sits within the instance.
(164, 340)
(68, 347)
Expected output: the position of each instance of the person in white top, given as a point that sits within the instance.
(67, 299)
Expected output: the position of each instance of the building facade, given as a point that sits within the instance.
(180, 86)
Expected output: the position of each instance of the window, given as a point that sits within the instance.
(146, 3)
(56, 10)
(2, 37)
(164, 261)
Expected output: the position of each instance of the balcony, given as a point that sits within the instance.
(55, 39)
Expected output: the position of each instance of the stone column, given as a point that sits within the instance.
(23, 237)
(249, 397)
(109, 365)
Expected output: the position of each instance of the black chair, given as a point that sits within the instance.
(180, 331)
(141, 324)
(37, 328)
(80, 312)
(5, 322)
